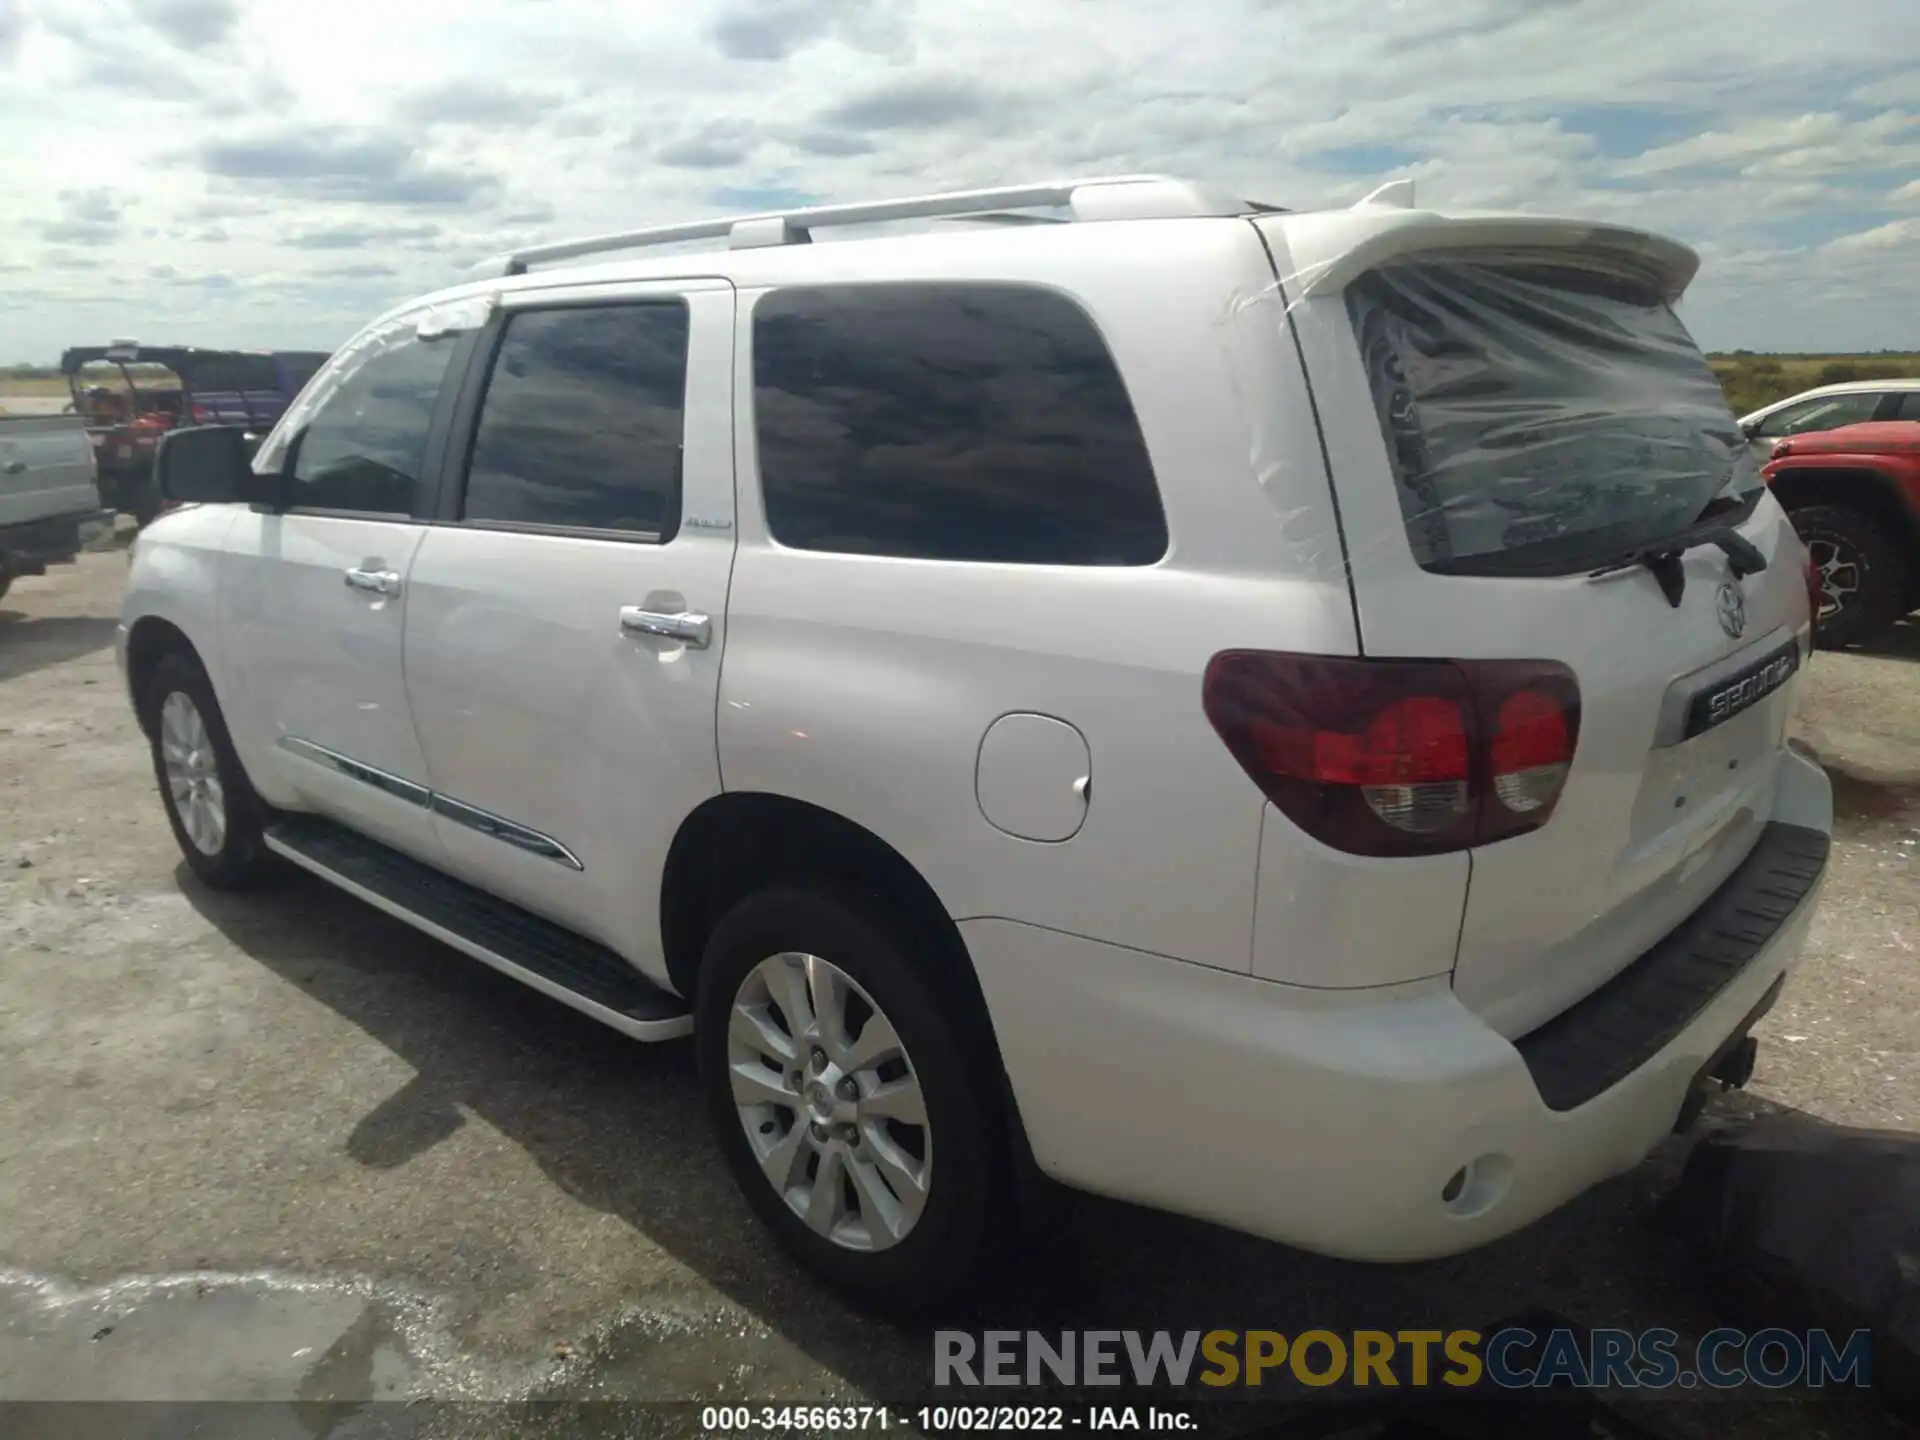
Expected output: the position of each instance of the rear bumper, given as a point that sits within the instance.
(1341, 1121)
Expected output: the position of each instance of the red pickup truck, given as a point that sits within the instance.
(1854, 496)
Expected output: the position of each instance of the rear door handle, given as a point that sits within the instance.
(374, 582)
(694, 631)
(15, 467)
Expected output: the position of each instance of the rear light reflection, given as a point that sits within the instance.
(1530, 751)
(1398, 757)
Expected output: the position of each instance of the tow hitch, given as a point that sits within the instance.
(1730, 1068)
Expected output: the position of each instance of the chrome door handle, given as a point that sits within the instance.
(694, 631)
(375, 582)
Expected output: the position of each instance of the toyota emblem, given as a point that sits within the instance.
(1732, 609)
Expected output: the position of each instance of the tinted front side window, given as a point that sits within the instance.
(582, 421)
(365, 447)
(949, 422)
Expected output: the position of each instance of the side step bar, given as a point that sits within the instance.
(553, 960)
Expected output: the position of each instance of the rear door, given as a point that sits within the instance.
(1498, 427)
(566, 617)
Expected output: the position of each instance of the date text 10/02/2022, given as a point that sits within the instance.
(933, 1419)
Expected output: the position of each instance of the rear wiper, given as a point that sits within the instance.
(1663, 557)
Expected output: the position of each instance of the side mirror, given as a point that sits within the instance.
(211, 465)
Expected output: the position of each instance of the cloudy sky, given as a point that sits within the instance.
(270, 172)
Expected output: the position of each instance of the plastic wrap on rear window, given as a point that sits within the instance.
(1540, 418)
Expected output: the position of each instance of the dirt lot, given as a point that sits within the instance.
(286, 1149)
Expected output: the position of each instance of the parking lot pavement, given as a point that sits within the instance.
(284, 1147)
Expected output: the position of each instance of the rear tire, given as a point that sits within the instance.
(781, 1119)
(1863, 573)
(216, 817)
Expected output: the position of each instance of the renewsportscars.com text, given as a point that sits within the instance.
(1514, 1357)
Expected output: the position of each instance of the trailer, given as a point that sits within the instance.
(131, 394)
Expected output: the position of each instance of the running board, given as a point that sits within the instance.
(553, 960)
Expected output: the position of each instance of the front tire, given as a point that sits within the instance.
(1862, 574)
(843, 1096)
(216, 817)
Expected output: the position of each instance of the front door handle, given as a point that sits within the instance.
(374, 582)
(694, 631)
(15, 467)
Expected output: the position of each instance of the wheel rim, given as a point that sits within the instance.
(193, 775)
(830, 1102)
(1839, 571)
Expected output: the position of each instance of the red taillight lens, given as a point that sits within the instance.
(202, 415)
(1399, 757)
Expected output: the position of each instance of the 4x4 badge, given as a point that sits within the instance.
(1732, 608)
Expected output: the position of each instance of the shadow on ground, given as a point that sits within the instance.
(30, 643)
(619, 1126)
(1899, 641)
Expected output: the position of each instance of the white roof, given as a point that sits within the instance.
(1323, 250)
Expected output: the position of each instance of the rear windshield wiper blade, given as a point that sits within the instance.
(1663, 557)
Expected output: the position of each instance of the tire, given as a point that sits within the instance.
(938, 1253)
(231, 856)
(144, 503)
(1851, 544)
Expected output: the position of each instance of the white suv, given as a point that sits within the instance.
(1279, 717)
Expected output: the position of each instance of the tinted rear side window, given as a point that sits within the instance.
(1540, 419)
(582, 421)
(949, 422)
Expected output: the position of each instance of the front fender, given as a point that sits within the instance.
(174, 576)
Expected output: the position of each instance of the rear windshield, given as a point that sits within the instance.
(1541, 419)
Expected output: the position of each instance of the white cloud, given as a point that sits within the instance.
(1894, 236)
(322, 161)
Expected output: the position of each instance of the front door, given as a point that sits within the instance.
(565, 619)
(314, 597)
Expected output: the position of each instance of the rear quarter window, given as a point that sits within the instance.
(948, 422)
(1538, 416)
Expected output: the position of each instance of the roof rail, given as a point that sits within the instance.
(1106, 197)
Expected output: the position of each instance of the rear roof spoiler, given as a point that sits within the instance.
(1331, 249)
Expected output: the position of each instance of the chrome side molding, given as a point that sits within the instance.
(407, 790)
(518, 836)
(509, 832)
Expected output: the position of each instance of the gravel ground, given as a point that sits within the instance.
(285, 1149)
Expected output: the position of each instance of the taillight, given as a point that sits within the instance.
(202, 415)
(1399, 757)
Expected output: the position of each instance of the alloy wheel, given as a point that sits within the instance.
(1839, 572)
(193, 773)
(830, 1102)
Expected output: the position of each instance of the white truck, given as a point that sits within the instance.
(49, 494)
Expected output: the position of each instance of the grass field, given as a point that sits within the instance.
(37, 388)
(1755, 380)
